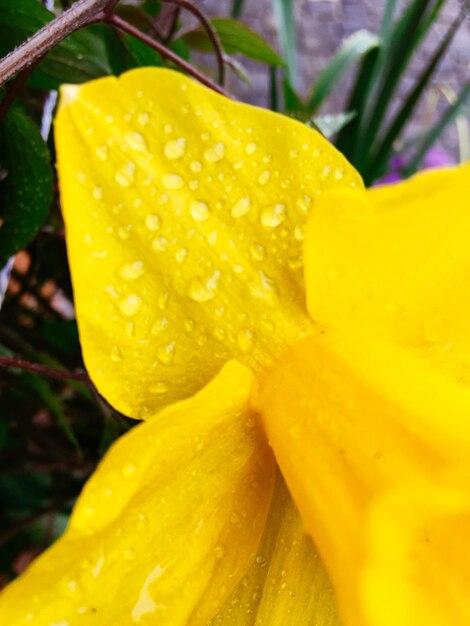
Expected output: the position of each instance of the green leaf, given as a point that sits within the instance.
(395, 55)
(41, 388)
(284, 13)
(461, 104)
(237, 8)
(26, 192)
(236, 38)
(331, 124)
(379, 159)
(351, 51)
(80, 57)
(292, 102)
(139, 53)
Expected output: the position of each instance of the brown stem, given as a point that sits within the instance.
(43, 370)
(211, 33)
(79, 14)
(165, 52)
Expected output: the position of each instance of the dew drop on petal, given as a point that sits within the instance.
(251, 148)
(159, 244)
(199, 211)
(143, 118)
(152, 222)
(166, 354)
(132, 271)
(215, 153)
(172, 181)
(273, 216)
(102, 152)
(203, 290)
(125, 175)
(241, 208)
(195, 166)
(158, 388)
(180, 255)
(135, 141)
(116, 354)
(175, 149)
(128, 469)
(246, 340)
(264, 177)
(219, 551)
(257, 252)
(130, 304)
(98, 193)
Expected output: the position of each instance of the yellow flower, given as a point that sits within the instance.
(186, 218)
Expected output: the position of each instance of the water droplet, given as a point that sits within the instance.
(124, 232)
(135, 141)
(102, 152)
(339, 173)
(166, 354)
(172, 181)
(219, 551)
(128, 469)
(203, 290)
(132, 271)
(152, 222)
(241, 208)
(158, 388)
(257, 252)
(125, 175)
(261, 560)
(246, 340)
(163, 300)
(98, 193)
(116, 354)
(299, 233)
(195, 166)
(264, 287)
(175, 149)
(199, 211)
(264, 177)
(234, 517)
(193, 185)
(325, 172)
(295, 263)
(168, 128)
(216, 153)
(159, 244)
(159, 325)
(130, 304)
(143, 118)
(293, 153)
(81, 177)
(180, 255)
(273, 216)
(251, 148)
(189, 326)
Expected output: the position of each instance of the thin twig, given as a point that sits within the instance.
(165, 52)
(79, 14)
(43, 370)
(211, 33)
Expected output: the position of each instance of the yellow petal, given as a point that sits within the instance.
(287, 583)
(395, 257)
(374, 444)
(152, 539)
(185, 214)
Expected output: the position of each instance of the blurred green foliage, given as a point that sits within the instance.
(53, 432)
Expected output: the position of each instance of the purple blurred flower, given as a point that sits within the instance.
(436, 157)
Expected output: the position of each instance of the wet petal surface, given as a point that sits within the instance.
(166, 527)
(185, 214)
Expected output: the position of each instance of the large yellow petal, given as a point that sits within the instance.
(185, 214)
(287, 583)
(374, 444)
(166, 527)
(396, 257)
